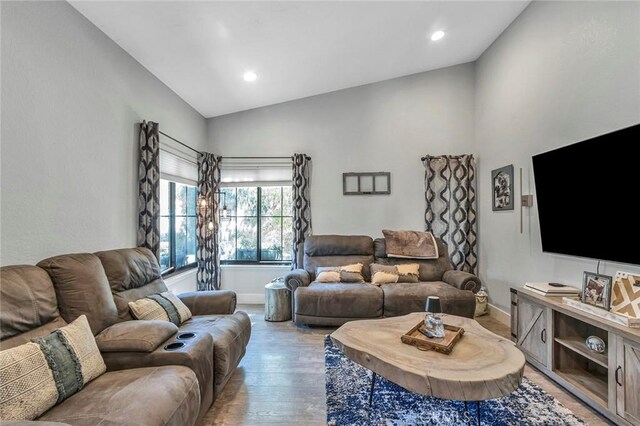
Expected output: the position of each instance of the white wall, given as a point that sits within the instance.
(384, 126)
(561, 73)
(248, 281)
(71, 101)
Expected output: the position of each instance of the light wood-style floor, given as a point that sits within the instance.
(281, 378)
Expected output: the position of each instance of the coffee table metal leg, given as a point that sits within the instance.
(373, 383)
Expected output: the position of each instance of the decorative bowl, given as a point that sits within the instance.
(596, 344)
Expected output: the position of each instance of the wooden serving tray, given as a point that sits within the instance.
(443, 345)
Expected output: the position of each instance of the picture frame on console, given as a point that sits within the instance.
(502, 188)
(596, 289)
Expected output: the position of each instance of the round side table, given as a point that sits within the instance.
(277, 301)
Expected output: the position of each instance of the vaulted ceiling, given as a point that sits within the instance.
(202, 50)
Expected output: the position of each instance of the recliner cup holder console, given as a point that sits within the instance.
(186, 336)
(174, 346)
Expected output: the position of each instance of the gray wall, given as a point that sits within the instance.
(384, 126)
(561, 73)
(71, 99)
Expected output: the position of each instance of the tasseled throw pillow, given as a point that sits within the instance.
(162, 306)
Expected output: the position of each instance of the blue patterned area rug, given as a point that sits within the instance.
(348, 385)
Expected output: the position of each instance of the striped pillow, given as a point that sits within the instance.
(38, 375)
(162, 306)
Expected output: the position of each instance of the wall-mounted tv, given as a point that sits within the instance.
(588, 197)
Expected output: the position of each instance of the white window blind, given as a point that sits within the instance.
(177, 166)
(259, 172)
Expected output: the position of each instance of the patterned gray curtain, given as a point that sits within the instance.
(148, 188)
(301, 206)
(450, 193)
(208, 276)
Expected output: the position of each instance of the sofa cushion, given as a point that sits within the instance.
(132, 273)
(27, 300)
(338, 245)
(404, 298)
(430, 269)
(403, 273)
(358, 300)
(135, 336)
(27, 387)
(163, 306)
(230, 334)
(410, 244)
(82, 289)
(344, 274)
(311, 264)
(166, 395)
(37, 375)
(335, 250)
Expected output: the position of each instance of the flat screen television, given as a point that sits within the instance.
(588, 197)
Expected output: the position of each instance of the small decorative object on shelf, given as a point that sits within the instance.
(596, 344)
(601, 313)
(596, 290)
(433, 325)
(418, 338)
(626, 295)
(481, 302)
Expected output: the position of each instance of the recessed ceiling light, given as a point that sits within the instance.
(437, 35)
(250, 76)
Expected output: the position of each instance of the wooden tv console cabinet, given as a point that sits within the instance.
(552, 337)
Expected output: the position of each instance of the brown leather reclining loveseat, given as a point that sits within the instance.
(157, 373)
(333, 304)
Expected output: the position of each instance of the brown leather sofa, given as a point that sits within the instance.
(333, 304)
(208, 347)
(166, 395)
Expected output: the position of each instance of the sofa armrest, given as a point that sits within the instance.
(293, 280)
(462, 280)
(215, 302)
(297, 278)
(135, 336)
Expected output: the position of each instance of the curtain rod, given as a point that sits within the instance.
(176, 140)
(450, 156)
(261, 158)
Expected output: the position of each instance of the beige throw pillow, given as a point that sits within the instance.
(327, 275)
(340, 274)
(387, 274)
(162, 306)
(382, 277)
(38, 375)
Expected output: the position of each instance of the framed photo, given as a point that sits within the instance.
(502, 188)
(625, 299)
(596, 290)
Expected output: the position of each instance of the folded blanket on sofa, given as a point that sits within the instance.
(410, 244)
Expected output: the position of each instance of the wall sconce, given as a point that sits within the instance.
(526, 200)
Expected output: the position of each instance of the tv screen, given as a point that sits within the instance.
(588, 197)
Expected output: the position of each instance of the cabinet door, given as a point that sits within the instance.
(627, 376)
(532, 330)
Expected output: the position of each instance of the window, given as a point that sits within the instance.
(259, 226)
(177, 226)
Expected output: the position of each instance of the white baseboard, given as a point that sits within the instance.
(250, 298)
(499, 315)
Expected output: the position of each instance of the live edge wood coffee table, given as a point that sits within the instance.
(481, 366)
